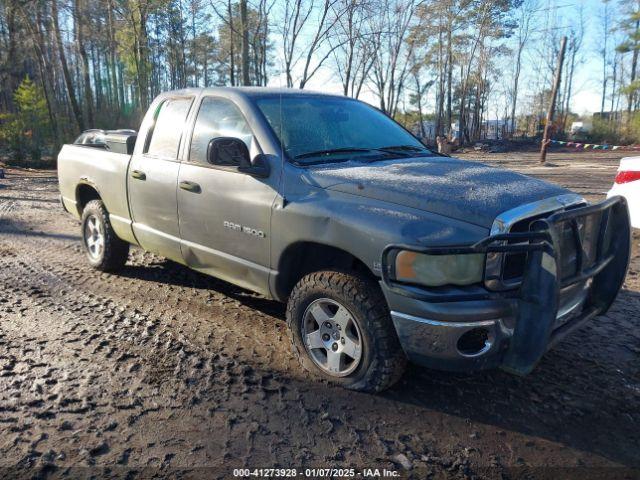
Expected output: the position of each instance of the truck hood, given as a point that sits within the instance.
(467, 191)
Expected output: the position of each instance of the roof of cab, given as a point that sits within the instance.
(253, 91)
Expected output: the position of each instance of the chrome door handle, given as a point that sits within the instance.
(190, 187)
(138, 175)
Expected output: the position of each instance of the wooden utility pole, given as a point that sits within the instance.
(552, 106)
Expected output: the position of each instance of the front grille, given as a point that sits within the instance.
(513, 267)
(505, 271)
(513, 264)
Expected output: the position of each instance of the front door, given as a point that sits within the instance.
(153, 178)
(224, 214)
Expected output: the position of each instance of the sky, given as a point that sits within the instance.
(587, 80)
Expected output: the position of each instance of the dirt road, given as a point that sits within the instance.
(160, 371)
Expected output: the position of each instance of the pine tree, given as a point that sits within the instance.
(28, 129)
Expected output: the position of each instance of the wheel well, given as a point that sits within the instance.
(303, 258)
(84, 194)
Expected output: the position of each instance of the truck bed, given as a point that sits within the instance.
(104, 171)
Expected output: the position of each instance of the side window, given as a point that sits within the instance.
(217, 117)
(167, 131)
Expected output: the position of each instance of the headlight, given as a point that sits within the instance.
(438, 270)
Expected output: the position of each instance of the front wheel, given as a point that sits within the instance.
(341, 330)
(104, 250)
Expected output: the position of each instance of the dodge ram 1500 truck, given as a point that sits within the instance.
(382, 250)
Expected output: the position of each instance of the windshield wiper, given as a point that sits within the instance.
(413, 148)
(387, 152)
(410, 150)
(406, 148)
(332, 151)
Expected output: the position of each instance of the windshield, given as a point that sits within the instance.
(311, 126)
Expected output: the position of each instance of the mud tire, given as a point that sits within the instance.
(383, 362)
(115, 251)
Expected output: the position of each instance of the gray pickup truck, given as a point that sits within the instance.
(382, 249)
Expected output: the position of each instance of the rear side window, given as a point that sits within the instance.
(167, 131)
(217, 118)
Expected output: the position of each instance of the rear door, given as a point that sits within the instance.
(152, 180)
(224, 214)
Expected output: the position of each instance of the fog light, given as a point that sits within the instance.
(474, 342)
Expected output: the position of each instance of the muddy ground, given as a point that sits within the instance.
(162, 372)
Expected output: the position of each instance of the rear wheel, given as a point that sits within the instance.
(104, 250)
(341, 331)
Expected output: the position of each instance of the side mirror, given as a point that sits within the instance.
(233, 152)
(228, 151)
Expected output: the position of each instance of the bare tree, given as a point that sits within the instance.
(391, 53)
(604, 50)
(574, 60)
(80, 18)
(244, 33)
(228, 20)
(68, 81)
(419, 93)
(352, 55)
(306, 29)
(526, 20)
(630, 25)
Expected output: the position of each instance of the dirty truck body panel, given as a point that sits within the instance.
(250, 229)
(106, 173)
(226, 232)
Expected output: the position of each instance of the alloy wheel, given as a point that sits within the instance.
(94, 236)
(332, 337)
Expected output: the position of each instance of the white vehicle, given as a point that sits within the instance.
(578, 128)
(627, 185)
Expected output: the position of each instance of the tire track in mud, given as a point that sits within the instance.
(232, 378)
(85, 310)
(51, 274)
(100, 317)
(163, 301)
(6, 206)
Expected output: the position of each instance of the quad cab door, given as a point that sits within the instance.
(224, 214)
(153, 175)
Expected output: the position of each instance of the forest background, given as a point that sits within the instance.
(437, 66)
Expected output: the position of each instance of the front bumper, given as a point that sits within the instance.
(473, 328)
(434, 342)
